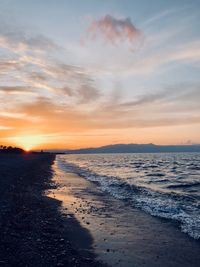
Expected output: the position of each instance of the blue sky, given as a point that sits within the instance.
(112, 66)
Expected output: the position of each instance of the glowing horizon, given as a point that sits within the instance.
(92, 74)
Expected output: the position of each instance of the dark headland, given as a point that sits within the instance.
(33, 230)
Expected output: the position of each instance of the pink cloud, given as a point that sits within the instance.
(114, 30)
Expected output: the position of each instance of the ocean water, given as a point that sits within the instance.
(163, 185)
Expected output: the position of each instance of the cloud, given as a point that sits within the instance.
(4, 128)
(173, 107)
(24, 69)
(177, 105)
(180, 98)
(75, 82)
(6, 65)
(16, 40)
(48, 116)
(52, 117)
(16, 89)
(114, 30)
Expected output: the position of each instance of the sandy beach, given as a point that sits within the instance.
(33, 230)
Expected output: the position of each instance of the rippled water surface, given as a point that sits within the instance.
(164, 185)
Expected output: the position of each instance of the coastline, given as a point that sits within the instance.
(123, 236)
(53, 218)
(33, 230)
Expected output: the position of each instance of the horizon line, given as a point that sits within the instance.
(71, 149)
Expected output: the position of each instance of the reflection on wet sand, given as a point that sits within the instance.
(123, 236)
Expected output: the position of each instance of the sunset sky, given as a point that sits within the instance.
(87, 73)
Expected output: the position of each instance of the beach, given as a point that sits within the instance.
(33, 230)
(123, 235)
(53, 217)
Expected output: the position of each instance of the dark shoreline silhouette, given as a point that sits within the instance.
(11, 150)
(33, 230)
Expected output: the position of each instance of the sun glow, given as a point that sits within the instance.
(28, 142)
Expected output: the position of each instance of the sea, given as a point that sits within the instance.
(165, 185)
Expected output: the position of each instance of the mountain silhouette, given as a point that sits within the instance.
(136, 148)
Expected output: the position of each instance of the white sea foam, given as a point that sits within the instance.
(160, 184)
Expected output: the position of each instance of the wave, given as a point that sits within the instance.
(156, 174)
(187, 185)
(161, 204)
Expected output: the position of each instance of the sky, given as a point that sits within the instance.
(89, 73)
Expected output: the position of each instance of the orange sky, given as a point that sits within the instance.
(163, 135)
(91, 77)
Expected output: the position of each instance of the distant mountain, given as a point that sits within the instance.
(136, 148)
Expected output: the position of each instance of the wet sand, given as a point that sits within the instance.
(33, 230)
(123, 236)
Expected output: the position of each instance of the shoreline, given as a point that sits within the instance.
(123, 236)
(34, 232)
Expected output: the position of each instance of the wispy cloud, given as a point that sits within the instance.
(26, 67)
(16, 90)
(178, 106)
(16, 40)
(179, 95)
